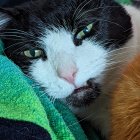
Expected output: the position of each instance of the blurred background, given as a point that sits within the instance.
(10, 3)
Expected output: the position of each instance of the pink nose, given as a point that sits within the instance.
(68, 75)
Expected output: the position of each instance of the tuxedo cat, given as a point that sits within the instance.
(74, 49)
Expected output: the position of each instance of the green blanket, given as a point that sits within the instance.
(27, 113)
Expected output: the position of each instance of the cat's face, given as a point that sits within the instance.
(65, 47)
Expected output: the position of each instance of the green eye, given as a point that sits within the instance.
(85, 31)
(33, 53)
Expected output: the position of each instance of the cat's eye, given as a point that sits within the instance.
(33, 53)
(84, 32)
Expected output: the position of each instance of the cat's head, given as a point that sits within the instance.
(64, 45)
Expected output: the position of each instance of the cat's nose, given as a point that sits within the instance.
(68, 75)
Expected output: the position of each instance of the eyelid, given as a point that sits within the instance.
(31, 45)
(33, 48)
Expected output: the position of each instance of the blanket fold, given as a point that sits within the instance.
(27, 112)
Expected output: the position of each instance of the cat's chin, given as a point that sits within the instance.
(83, 96)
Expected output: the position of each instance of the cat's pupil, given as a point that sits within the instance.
(32, 52)
(86, 30)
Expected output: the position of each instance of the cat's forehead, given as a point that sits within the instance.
(73, 13)
(57, 40)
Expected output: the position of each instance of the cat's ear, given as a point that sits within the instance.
(12, 14)
(4, 17)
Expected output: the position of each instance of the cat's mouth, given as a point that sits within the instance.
(83, 89)
(85, 95)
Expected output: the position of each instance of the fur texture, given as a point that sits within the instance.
(125, 104)
(68, 65)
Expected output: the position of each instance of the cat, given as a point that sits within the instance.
(74, 49)
(125, 104)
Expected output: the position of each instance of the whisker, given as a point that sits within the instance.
(99, 19)
(78, 8)
(10, 37)
(92, 10)
(82, 8)
(18, 31)
(118, 49)
(85, 118)
(18, 44)
(28, 76)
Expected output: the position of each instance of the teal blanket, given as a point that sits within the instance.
(27, 112)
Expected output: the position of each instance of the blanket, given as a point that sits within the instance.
(26, 113)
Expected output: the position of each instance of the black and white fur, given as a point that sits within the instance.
(68, 64)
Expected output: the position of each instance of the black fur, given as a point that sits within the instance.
(89, 97)
(112, 24)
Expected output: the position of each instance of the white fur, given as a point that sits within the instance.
(89, 58)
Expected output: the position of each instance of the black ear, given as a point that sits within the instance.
(20, 14)
(4, 19)
(13, 16)
(14, 13)
(7, 11)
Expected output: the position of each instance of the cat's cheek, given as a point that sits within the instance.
(59, 90)
(44, 74)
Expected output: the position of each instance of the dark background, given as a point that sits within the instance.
(10, 3)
